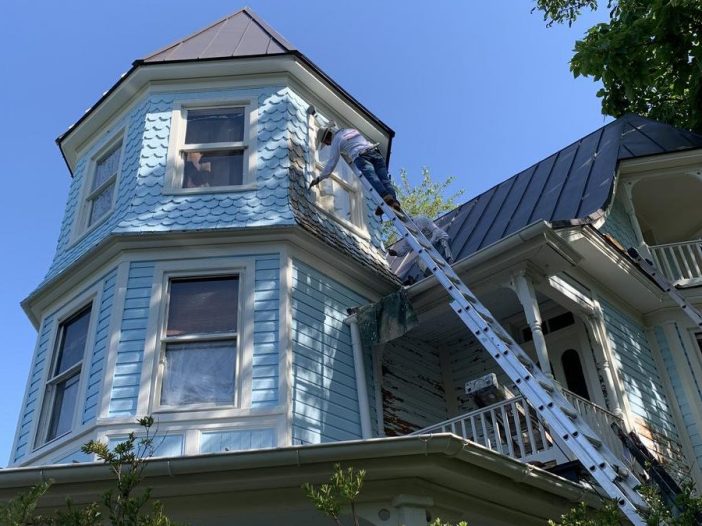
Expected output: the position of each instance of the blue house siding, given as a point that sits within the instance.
(325, 401)
(266, 353)
(130, 350)
(142, 205)
(676, 381)
(236, 440)
(99, 356)
(618, 225)
(640, 376)
(30, 407)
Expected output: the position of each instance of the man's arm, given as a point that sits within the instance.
(334, 154)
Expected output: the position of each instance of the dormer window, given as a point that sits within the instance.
(211, 149)
(341, 194)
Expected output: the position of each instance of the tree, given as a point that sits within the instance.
(648, 56)
(427, 198)
(125, 504)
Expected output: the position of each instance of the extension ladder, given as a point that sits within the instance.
(542, 392)
(647, 267)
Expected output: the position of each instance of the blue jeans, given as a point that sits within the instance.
(372, 165)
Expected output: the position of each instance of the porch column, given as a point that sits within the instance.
(593, 325)
(527, 297)
(412, 509)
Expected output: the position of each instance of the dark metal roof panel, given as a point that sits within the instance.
(570, 185)
(241, 34)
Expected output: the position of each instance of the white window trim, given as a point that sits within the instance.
(82, 227)
(244, 268)
(46, 397)
(175, 166)
(359, 220)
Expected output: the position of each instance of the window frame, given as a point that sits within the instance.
(113, 144)
(175, 165)
(47, 399)
(243, 335)
(358, 221)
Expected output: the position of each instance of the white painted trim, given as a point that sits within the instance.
(285, 346)
(360, 372)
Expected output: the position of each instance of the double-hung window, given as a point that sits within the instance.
(200, 342)
(61, 398)
(341, 194)
(100, 199)
(211, 147)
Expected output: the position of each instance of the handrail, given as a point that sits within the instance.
(681, 261)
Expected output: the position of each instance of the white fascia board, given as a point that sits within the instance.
(145, 76)
(656, 165)
(111, 250)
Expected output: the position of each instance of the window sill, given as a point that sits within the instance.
(179, 414)
(211, 190)
(361, 232)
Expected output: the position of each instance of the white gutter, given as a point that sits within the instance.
(506, 243)
(361, 384)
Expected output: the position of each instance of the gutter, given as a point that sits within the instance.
(476, 258)
(360, 370)
(442, 445)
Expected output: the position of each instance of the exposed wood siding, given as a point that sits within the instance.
(96, 365)
(681, 396)
(325, 401)
(618, 225)
(30, 408)
(642, 384)
(236, 440)
(130, 350)
(413, 391)
(266, 361)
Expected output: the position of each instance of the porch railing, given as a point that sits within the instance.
(510, 427)
(679, 261)
(600, 420)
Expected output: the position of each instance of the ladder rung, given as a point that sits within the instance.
(525, 361)
(547, 386)
(596, 442)
(570, 413)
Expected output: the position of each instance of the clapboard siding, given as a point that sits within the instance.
(30, 407)
(413, 392)
(265, 372)
(130, 350)
(99, 355)
(676, 381)
(641, 379)
(618, 225)
(325, 400)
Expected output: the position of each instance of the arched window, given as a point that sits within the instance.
(573, 370)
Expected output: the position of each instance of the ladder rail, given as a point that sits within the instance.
(544, 395)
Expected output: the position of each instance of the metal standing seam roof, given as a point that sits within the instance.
(574, 185)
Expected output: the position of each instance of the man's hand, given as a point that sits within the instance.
(315, 182)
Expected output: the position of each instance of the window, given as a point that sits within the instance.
(102, 190)
(341, 194)
(211, 148)
(61, 397)
(200, 341)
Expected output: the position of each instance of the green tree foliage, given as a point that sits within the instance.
(342, 490)
(428, 198)
(125, 504)
(648, 56)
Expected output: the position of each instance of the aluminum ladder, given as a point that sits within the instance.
(541, 391)
(652, 272)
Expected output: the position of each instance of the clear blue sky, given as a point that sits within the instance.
(478, 90)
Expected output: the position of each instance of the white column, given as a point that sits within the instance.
(412, 509)
(527, 297)
(628, 200)
(593, 326)
(361, 384)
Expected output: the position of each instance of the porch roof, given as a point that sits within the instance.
(572, 186)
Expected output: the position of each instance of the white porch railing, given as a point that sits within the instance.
(679, 261)
(600, 420)
(510, 427)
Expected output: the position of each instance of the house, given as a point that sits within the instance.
(198, 280)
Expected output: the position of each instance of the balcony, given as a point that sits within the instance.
(511, 427)
(680, 262)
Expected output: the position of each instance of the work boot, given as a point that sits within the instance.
(389, 200)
